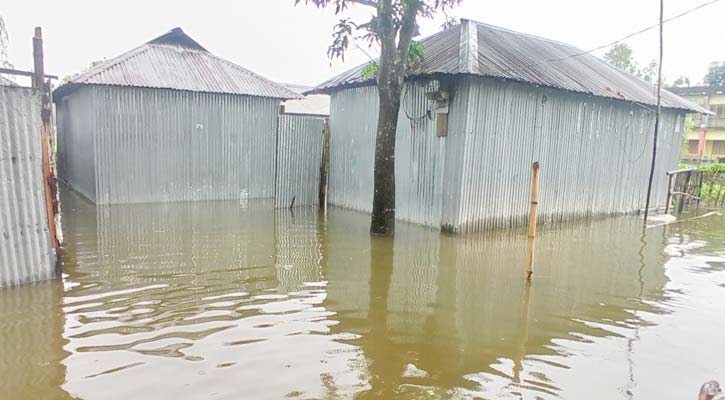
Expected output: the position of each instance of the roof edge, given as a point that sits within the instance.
(694, 108)
(70, 87)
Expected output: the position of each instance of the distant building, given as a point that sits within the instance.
(707, 140)
(169, 121)
(313, 104)
(484, 105)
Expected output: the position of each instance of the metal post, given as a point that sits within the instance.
(532, 218)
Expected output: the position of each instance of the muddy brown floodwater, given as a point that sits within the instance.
(213, 300)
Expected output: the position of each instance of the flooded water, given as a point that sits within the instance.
(212, 300)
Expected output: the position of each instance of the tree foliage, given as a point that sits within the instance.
(4, 40)
(715, 74)
(682, 81)
(621, 56)
(394, 19)
(649, 72)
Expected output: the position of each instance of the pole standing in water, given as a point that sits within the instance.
(532, 218)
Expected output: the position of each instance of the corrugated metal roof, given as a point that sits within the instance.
(6, 82)
(176, 61)
(485, 50)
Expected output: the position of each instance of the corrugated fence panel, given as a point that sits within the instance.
(299, 156)
(26, 254)
(76, 142)
(153, 145)
(594, 155)
(353, 120)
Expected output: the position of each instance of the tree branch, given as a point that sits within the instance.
(408, 28)
(370, 3)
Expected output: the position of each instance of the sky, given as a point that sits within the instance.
(287, 43)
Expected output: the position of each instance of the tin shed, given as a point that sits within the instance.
(168, 121)
(484, 105)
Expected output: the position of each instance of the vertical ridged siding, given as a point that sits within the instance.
(419, 155)
(594, 154)
(353, 120)
(76, 142)
(156, 145)
(26, 254)
(299, 156)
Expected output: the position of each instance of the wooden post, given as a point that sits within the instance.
(669, 193)
(699, 189)
(685, 189)
(49, 179)
(532, 218)
(38, 67)
(325, 167)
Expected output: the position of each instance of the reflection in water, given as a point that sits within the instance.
(214, 300)
(31, 344)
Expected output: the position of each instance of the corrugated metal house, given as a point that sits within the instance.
(168, 121)
(507, 99)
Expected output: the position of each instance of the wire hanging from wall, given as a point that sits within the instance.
(404, 105)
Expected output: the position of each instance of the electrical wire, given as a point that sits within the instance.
(412, 119)
(649, 28)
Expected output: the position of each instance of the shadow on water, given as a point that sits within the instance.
(197, 300)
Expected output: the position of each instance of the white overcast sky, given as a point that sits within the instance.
(287, 43)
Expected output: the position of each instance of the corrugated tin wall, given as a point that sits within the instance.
(75, 142)
(594, 154)
(353, 120)
(419, 162)
(299, 156)
(156, 145)
(26, 254)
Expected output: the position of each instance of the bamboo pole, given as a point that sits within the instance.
(657, 114)
(532, 218)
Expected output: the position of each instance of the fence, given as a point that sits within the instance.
(712, 192)
(26, 252)
(299, 157)
(704, 186)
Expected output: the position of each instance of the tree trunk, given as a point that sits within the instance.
(391, 72)
(383, 217)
